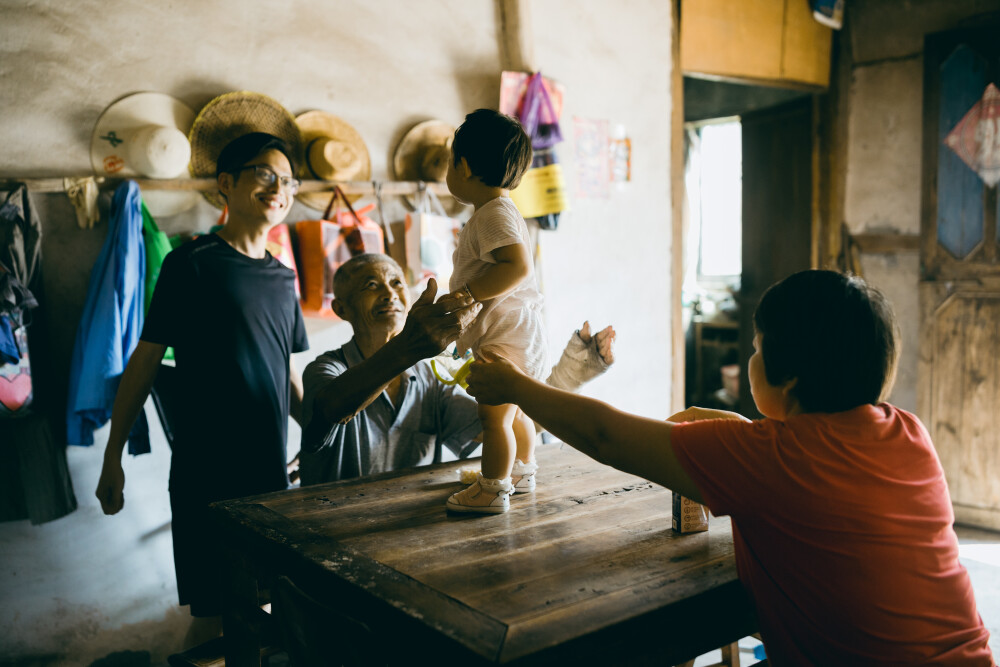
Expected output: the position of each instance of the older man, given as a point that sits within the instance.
(374, 404)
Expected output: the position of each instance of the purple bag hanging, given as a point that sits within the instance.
(536, 98)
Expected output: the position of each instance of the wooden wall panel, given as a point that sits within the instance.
(760, 41)
(965, 390)
(980, 432)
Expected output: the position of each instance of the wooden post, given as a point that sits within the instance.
(676, 211)
(517, 52)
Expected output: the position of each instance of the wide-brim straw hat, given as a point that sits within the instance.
(333, 151)
(144, 135)
(423, 152)
(229, 117)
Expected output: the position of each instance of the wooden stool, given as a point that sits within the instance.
(730, 657)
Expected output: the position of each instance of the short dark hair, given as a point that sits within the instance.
(242, 150)
(835, 333)
(495, 146)
(347, 270)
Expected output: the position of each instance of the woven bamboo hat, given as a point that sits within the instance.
(229, 117)
(334, 151)
(145, 135)
(423, 152)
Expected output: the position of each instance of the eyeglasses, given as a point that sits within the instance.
(266, 176)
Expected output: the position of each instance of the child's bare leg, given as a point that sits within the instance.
(524, 435)
(499, 441)
(522, 475)
(489, 494)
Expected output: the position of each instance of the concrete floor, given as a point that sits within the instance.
(979, 551)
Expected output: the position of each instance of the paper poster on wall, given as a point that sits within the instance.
(590, 139)
(976, 138)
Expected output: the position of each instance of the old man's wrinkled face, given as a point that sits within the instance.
(377, 298)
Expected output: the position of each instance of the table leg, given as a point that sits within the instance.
(241, 620)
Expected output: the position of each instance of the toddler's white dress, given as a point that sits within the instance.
(511, 324)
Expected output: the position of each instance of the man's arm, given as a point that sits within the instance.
(136, 382)
(429, 328)
(295, 402)
(628, 442)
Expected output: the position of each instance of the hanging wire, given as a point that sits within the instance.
(386, 227)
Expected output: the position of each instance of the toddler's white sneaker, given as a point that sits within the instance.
(484, 496)
(522, 476)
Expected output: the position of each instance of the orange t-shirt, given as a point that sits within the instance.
(843, 534)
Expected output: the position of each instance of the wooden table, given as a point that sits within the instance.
(587, 568)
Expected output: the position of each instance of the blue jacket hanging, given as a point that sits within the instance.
(110, 326)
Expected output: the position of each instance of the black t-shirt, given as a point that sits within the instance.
(233, 322)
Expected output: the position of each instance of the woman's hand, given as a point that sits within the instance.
(493, 380)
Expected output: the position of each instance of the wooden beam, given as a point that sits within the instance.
(676, 212)
(873, 244)
(52, 185)
(517, 43)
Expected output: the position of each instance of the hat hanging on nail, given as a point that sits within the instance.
(229, 117)
(423, 152)
(334, 151)
(144, 135)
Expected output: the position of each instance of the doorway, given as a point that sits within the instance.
(748, 221)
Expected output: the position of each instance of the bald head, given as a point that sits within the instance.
(353, 266)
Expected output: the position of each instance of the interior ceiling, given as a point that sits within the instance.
(705, 99)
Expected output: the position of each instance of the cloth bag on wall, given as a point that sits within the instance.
(438, 239)
(16, 388)
(426, 243)
(326, 244)
(541, 194)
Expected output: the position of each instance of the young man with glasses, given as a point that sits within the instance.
(228, 308)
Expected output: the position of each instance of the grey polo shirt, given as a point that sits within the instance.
(432, 417)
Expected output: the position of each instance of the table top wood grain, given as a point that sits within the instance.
(586, 565)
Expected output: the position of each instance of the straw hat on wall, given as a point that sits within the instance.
(229, 117)
(144, 135)
(423, 152)
(334, 151)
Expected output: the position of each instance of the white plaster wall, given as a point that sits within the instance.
(610, 259)
(87, 585)
(883, 162)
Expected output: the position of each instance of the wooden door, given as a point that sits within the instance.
(777, 211)
(959, 362)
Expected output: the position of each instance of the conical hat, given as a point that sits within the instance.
(144, 135)
(229, 117)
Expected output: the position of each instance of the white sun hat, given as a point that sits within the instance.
(144, 135)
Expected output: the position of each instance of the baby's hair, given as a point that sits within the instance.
(347, 270)
(833, 332)
(495, 147)
(242, 150)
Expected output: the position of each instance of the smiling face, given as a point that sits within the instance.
(250, 200)
(374, 299)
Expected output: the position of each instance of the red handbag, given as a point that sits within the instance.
(326, 244)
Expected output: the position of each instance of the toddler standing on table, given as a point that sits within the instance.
(493, 263)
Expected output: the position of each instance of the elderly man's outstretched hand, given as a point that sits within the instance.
(492, 379)
(430, 327)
